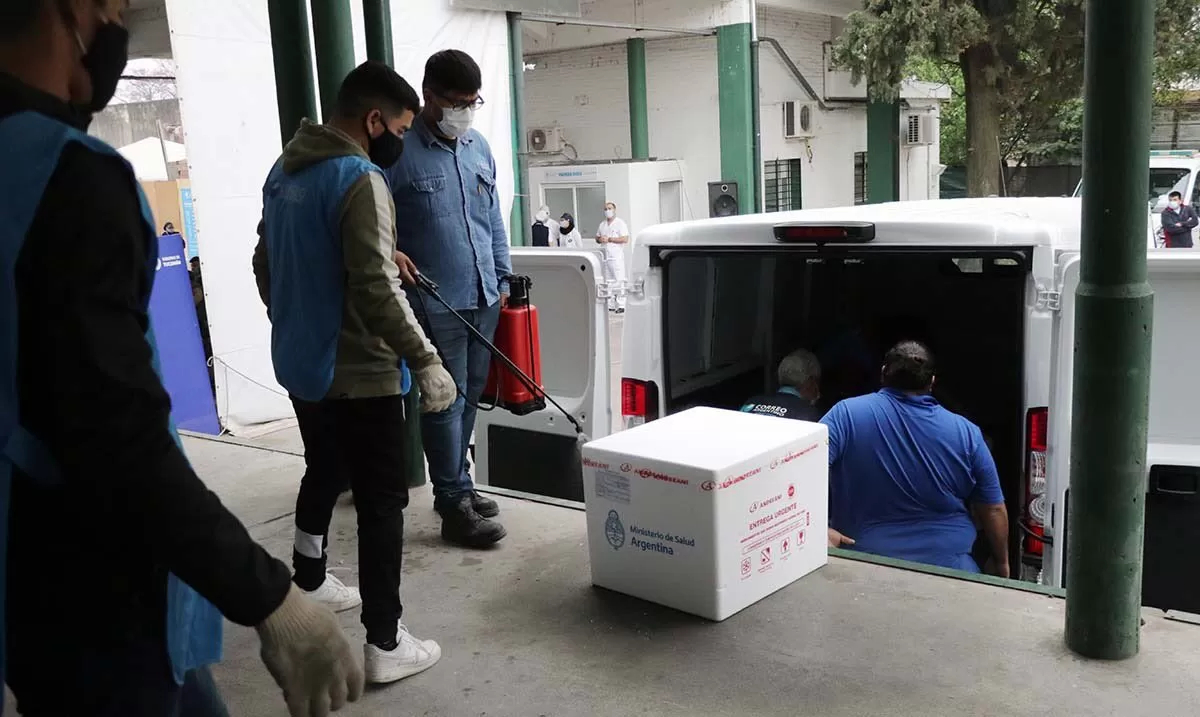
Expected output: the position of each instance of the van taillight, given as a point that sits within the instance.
(1037, 426)
(639, 401)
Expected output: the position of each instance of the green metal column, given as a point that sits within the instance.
(333, 37)
(521, 229)
(293, 64)
(1113, 312)
(735, 100)
(883, 152)
(377, 17)
(639, 112)
(757, 108)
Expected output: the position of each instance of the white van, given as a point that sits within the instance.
(1171, 170)
(714, 305)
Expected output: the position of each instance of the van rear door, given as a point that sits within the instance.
(1172, 536)
(532, 455)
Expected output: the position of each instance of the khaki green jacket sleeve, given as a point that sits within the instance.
(372, 277)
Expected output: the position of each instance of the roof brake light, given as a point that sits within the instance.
(807, 232)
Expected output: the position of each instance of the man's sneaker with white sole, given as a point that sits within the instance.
(410, 657)
(336, 595)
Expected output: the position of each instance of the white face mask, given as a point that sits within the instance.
(1174, 204)
(564, 225)
(609, 214)
(456, 123)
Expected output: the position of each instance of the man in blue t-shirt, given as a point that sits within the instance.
(906, 476)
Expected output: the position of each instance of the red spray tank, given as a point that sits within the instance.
(517, 338)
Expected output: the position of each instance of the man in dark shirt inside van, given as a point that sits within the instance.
(906, 476)
(1178, 221)
(799, 390)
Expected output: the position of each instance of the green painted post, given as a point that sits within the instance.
(1114, 308)
(735, 101)
(639, 111)
(333, 37)
(756, 106)
(883, 152)
(521, 229)
(293, 64)
(377, 18)
(414, 448)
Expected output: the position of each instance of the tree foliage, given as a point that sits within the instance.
(1015, 68)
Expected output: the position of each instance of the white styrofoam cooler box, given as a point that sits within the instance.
(707, 511)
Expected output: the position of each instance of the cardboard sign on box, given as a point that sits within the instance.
(707, 511)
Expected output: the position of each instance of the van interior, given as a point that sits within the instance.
(730, 316)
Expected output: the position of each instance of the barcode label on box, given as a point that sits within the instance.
(612, 486)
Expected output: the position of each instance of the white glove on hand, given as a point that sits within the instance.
(437, 388)
(307, 654)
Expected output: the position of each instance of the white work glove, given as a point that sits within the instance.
(437, 388)
(307, 654)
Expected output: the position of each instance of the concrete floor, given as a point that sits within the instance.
(525, 635)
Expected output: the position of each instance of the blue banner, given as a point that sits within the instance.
(189, 221)
(181, 352)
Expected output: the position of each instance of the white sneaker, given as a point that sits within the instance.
(411, 656)
(336, 595)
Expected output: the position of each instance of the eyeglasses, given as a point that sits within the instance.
(463, 104)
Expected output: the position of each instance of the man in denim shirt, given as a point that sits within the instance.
(449, 227)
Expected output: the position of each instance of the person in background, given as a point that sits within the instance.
(340, 324)
(168, 229)
(568, 234)
(612, 236)
(449, 224)
(542, 231)
(1178, 221)
(202, 318)
(799, 390)
(120, 561)
(906, 475)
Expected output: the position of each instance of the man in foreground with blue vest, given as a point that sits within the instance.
(118, 556)
(340, 326)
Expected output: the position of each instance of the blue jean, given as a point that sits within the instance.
(446, 435)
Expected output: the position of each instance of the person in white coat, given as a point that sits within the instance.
(612, 236)
(568, 234)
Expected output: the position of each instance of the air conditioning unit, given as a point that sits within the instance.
(918, 130)
(546, 140)
(799, 120)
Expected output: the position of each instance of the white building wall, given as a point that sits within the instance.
(584, 91)
(827, 175)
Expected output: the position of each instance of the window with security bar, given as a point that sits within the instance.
(781, 185)
(860, 177)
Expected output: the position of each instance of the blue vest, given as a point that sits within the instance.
(31, 145)
(308, 275)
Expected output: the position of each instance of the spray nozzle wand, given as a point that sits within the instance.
(431, 288)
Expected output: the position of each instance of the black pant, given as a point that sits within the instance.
(360, 439)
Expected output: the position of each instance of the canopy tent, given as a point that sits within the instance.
(150, 156)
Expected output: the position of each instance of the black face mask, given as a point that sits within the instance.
(385, 150)
(105, 60)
